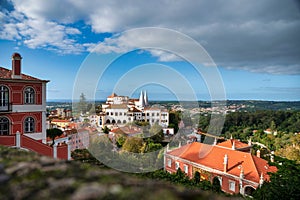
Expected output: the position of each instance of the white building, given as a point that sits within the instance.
(121, 110)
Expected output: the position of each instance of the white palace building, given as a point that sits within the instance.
(121, 110)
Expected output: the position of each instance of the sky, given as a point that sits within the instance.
(206, 49)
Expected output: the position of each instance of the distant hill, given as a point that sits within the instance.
(250, 105)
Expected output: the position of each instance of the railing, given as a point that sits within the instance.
(36, 146)
(8, 140)
(22, 141)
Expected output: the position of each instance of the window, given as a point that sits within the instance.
(186, 169)
(232, 186)
(4, 98)
(176, 165)
(29, 95)
(29, 125)
(169, 162)
(4, 126)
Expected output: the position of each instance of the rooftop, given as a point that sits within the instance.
(213, 157)
(7, 74)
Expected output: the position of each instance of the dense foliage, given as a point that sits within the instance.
(282, 185)
(53, 133)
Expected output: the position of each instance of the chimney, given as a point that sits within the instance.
(249, 142)
(272, 156)
(258, 153)
(225, 163)
(242, 174)
(215, 141)
(233, 145)
(16, 66)
(261, 179)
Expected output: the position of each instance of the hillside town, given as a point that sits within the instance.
(25, 123)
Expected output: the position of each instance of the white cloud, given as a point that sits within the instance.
(262, 35)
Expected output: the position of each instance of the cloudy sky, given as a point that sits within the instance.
(255, 44)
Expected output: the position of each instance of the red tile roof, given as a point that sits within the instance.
(213, 157)
(229, 143)
(127, 130)
(113, 95)
(6, 74)
(60, 120)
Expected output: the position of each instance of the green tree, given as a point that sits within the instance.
(120, 140)
(53, 133)
(197, 177)
(133, 144)
(82, 105)
(284, 184)
(106, 130)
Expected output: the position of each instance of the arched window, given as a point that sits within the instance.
(4, 126)
(29, 125)
(4, 98)
(29, 95)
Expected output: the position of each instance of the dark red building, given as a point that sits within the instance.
(231, 162)
(22, 102)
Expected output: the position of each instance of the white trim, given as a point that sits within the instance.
(186, 168)
(169, 162)
(208, 169)
(28, 108)
(35, 136)
(229, 184)
(177, 165)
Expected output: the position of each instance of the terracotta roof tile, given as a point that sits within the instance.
(229, 143)
(113, 95)
(6, 74)
(213, 157)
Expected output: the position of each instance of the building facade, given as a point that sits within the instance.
(22, 102)
(121, 110)
(237, 171)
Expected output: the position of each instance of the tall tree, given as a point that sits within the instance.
(53, 133)
(82, 105)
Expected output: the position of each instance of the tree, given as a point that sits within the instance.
(133, 144)
(106, 130)
(197, 177)
(284, 184)
(53, 133)
(82, 105)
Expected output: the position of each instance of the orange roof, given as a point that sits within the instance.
(60, 120)
(6, 74)
(213, 157)
(127, 130)
(113, 95)
(228, 144)
(117, 106)
(134, 109)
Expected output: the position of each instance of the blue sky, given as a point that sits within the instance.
(255, 46)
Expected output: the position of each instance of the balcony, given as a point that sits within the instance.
(5, 107)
